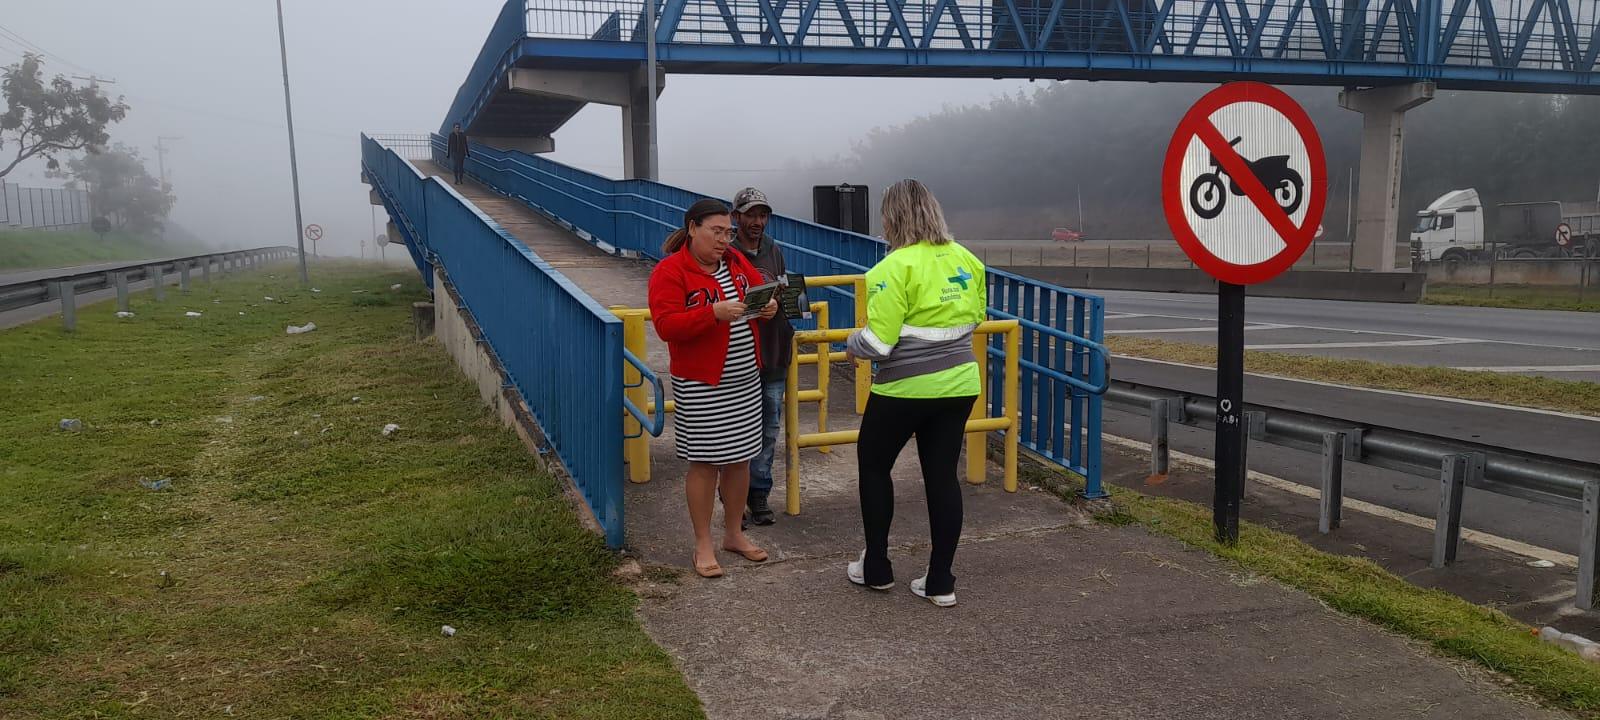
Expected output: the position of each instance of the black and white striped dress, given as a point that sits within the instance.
(721, 424)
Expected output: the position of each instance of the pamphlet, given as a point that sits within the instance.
(792, 301)
(756, 299)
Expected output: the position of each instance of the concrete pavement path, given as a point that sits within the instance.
(1058, 616)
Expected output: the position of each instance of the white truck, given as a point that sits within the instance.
(1451, 230)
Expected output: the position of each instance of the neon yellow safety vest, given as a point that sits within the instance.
(923, 302)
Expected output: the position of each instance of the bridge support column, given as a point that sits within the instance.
(636, 125)
(1383, 112)
(628, 90)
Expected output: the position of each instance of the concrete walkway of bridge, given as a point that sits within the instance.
(1058, 616)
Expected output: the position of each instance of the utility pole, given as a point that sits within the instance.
(1080, 209)
(161, 157)
(294, 165)
(88, 188)
(161, 162)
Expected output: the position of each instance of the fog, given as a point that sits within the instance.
(208, 72)
(1009, 157)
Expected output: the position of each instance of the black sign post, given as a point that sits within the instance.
(1243, 186)
(1230, 412)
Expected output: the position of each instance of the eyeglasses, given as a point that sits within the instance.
(722, 231)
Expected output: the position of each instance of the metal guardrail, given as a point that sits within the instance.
(46, 289)
(1005, 333)
(1555, 481)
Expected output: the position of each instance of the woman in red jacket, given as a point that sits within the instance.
(696, 302)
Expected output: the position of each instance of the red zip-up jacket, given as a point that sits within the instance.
(681, 296)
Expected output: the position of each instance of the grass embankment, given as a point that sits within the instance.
(1361, 588)
(1521, 297)
(1505, 388)
(30, 249)
(297, 562)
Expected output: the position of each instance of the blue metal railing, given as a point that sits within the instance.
(636, 215)
(402, 199)
(1064, 371)
(1063, 359)
(523, 307)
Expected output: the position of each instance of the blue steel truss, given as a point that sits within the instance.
(1499, 45)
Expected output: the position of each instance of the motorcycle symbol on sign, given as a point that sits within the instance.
(1207, 198)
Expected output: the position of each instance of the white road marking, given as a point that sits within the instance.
(1394, 334)
(1515, 547)
(1373, 344)
(1534, 368)
(1208, 328)
(1462, 401)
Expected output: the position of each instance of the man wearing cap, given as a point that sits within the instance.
(751, 212)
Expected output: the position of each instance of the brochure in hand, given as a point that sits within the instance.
(756, 299)
(792, 301)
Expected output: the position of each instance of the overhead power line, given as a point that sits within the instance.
(31, 46)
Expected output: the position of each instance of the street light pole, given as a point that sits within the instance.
(294, 166)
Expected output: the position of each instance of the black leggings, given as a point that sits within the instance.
(938, 424)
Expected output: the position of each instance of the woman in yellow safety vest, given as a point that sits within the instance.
(923, 302)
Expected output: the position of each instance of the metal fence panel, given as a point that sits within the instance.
(44, 208)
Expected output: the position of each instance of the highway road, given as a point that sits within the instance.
(1550, 343)
(1563, 345)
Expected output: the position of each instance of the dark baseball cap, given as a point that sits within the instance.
(750, 198)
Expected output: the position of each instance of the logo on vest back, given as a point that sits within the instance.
(951, 293)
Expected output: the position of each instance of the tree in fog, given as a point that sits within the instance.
(43, 119)
(121, 188)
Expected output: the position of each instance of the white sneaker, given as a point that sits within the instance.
(919, 588)
(857, 572)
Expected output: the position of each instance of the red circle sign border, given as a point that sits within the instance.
(1172, 173)
(314, 231)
